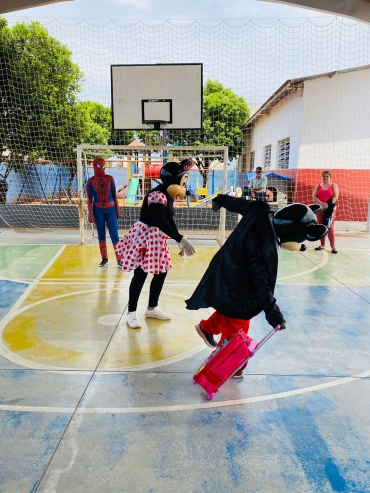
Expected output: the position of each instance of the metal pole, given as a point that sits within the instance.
(80, 196)
(222, 234)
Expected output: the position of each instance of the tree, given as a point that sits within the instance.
(39, 84)
(93, 126)
(98, 122)
(224, 114)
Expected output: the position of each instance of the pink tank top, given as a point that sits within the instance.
(325, 195)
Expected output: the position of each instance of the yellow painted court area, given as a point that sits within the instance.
(75, 313)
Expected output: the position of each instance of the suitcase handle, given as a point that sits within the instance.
(267, 337)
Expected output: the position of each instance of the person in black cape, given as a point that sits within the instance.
(240, 280)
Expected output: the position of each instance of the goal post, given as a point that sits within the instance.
(136, 169)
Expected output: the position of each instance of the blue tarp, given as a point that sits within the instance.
(277, 175)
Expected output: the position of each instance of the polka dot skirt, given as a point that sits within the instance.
(146, 247)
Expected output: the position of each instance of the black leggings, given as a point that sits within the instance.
(137, 284)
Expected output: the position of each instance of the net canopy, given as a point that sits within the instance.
(62, 99)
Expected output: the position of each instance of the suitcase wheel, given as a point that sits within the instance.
(211, 395)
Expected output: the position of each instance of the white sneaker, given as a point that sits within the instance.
(157, 313)
(133, 321)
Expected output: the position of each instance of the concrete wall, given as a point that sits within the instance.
(284, 121)
(335, 129)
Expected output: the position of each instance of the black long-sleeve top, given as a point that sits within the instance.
(160, 215)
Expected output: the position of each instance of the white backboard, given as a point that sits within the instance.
(169, 92)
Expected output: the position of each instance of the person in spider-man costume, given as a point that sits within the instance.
(103, 208)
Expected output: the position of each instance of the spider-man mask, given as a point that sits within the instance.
(99, 166)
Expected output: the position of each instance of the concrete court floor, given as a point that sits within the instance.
(89, 405)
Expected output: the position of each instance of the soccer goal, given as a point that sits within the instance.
(136, 169)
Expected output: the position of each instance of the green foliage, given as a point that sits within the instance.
(39, 84)
(41, 117)
(98, 120)
(224, 114)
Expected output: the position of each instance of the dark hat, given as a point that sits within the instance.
(258, 168)
(297, 222)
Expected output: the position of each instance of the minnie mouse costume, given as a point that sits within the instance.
(103, 207)
(144, 249)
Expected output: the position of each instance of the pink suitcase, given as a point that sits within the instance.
(226, 360)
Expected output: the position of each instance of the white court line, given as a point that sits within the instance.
(30, 288)
(321, 264)
(21, 281)
(184, 407)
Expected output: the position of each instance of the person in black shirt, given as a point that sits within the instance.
(144, 249)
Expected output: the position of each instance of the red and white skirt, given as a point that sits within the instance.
(146, 247)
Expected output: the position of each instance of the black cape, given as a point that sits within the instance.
(240, 280)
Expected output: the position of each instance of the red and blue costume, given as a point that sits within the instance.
(103, 207)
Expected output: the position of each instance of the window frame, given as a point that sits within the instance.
(267, 153)
(283, 158)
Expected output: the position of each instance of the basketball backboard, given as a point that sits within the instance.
(153, 96)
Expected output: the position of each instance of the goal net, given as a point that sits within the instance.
(136, 170)
(291, 96)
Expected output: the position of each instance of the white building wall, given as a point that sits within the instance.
(335, 129)
(284, 121)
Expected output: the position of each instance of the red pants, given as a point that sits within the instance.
(226, 326)
(331, 234)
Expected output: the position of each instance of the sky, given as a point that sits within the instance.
(101, 10)
(251, 58)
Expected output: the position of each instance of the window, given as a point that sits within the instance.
(283, 153)
(251, 160)
(267, 157)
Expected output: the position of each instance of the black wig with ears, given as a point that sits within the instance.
(172, 172)
(297, 222)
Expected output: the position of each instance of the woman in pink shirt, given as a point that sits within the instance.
(326, 194)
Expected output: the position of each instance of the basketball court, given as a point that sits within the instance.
(89, 404)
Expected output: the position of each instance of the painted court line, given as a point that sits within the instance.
(185, 407)
(21, 281)
(30, 288)
(321, 264)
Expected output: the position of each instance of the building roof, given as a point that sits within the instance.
(136, 143)
(13, 5)
(354, 9)
(289, 86)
